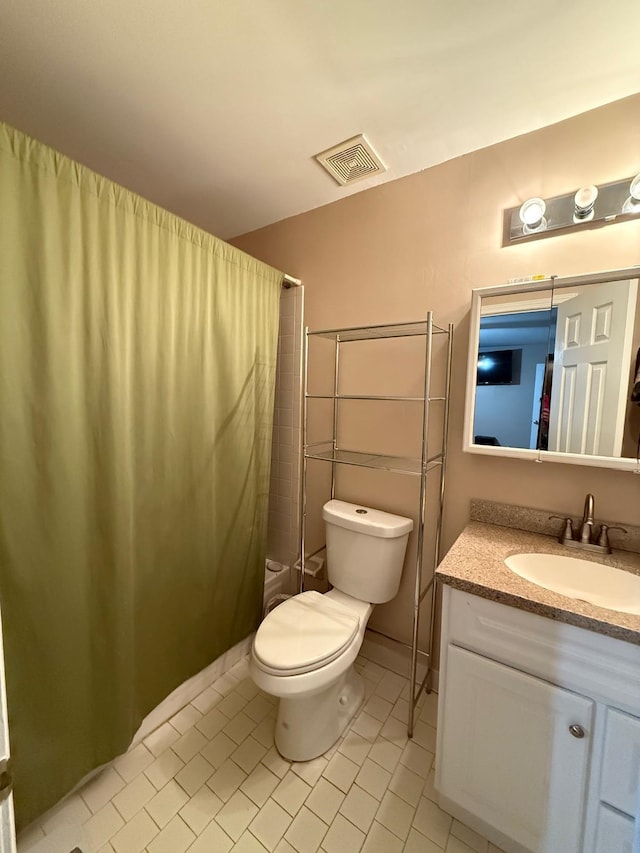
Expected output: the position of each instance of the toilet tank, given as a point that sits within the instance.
(365, 550)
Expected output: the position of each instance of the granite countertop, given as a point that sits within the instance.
(475, 564)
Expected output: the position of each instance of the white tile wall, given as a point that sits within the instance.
(284, 498)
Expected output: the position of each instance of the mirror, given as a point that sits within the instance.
(552, 370)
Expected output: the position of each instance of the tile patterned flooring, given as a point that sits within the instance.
(210, 781)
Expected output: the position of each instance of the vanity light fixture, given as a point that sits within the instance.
(597, 205)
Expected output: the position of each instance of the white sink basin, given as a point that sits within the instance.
(580, 579)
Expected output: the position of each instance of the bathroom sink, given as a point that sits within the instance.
(580, 579)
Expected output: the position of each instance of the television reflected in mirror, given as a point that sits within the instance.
(552, 368)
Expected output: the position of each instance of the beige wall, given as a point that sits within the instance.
(423, 242)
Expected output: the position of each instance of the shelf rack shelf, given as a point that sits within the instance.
(420, 468)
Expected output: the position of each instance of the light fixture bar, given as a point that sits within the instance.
(587, 207)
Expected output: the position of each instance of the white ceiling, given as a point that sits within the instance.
(215, 108)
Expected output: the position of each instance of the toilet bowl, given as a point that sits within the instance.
(304, 650)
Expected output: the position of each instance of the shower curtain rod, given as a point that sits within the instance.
(289, 281)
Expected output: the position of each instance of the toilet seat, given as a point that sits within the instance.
(304, 633)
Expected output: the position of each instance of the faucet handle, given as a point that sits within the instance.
(567, 533)
(603, 536)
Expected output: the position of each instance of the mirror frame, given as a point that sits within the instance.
(549, 284)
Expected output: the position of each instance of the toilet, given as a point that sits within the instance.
(304, 650)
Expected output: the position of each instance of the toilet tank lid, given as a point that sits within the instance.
(364, 519)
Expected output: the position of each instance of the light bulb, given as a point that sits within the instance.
(634, 188)
(532, 214)
(584, 201)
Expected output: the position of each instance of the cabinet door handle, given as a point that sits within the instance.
(577, 731)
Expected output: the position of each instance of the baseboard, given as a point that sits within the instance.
(191, 688)
(393, 655)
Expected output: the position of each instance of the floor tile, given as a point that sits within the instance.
(395, 815)
(360, 808)
(231, 705)
(176, 837)
(355, 747)
(343, 836)
(101, 789)
(247, 688)
(72, 810)
(418, 843)
(189, 744)
(213, 839)
(212, 723)
(207, 700)
(132, 763)
(470, 837)
(373, 671)
(395, 731)
(270, 824)
(325, 800)
(248, 754)
(226, 780)
(219, 749)
(103, 825)
(194, 774)
(135, 835)
(166, 803)
(386, 754)
(258, 708)
(400, 711)
(134, 796)
(31, 835)
(378, 707)
(276, 763)
(429, 790)
(390, 686)
(201, 808)
(366, 726)
(306, 831)
(341, 772)
(407, 785)
(425, 736)
(163, 769)
(417, 759)
(247, 843)
(454, 845)
(185, 719)
(259, 785)
(310, 771)
(264, 732)
(431, 821)
(284, 847)
(291, 793)
(236, 815)
(162, 738)
(373, 779)
(225, 684)
(429, 711)
(380, 840)
(239, 727)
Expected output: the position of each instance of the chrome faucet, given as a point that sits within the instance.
(586, 527)
(585, 538)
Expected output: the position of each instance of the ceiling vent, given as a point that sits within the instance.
(351, 161)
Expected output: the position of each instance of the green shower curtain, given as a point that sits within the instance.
(137, 365)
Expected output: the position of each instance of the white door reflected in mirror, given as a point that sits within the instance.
(551, 370)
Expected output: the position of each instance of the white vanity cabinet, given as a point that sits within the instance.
(538, 730)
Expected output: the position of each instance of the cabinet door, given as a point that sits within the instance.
(615, 832)
(621, 764)
(508, 755)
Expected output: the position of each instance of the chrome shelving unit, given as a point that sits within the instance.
(421, 468)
